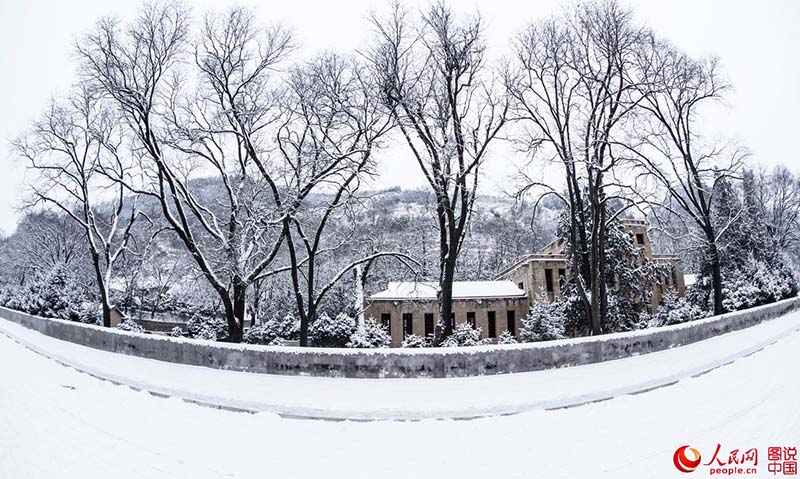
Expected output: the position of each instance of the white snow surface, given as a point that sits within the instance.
(408, 399)
(400, 290)
(58, 423)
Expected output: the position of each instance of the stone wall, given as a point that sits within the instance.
(444, 362)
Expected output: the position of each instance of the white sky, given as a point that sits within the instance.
(757, 43)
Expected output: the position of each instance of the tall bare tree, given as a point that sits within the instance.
(328, 140)
(572, 91)
(70, 151)
(434, 79)
(674, 154)
(211, 130)
(780, 194)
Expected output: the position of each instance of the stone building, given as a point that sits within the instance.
(412, 308)
(495, 306)
(546, 270)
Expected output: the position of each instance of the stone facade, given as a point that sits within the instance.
(491, 315)
(414, 312)
(545, 270)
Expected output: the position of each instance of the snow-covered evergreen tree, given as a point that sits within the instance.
(465, 335)
(206, 327)
(277, 327)
(545, 321)
(370, 334)
(675, 310)
(176, 332)
(506, 338)
(52, 294)
(131, 326)
(332, 332)
(755, 271)
(416, 341)
(628, 281)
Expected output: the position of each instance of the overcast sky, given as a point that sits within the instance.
(757, 42)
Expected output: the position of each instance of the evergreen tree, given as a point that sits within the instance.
(628, 281)
(506, 338)
(465, 335)
(545, 321)
(370, 334)
(755, 270)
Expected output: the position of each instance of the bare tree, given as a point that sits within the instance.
(434, 80)
(573, 91)
(673, 153)
(70, 150)
(212, 133)
(780, 195)
(335, 124)
(42, 241)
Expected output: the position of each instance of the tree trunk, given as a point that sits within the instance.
(104, 299)
(716, 277)
(443, 327)
(106, 314)
(235, 311)
(360, 275)
(239, 312)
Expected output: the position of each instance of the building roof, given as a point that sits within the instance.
(404, 290)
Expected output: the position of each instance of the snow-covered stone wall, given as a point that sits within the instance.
(438, 362)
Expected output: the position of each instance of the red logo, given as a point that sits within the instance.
(683, 461)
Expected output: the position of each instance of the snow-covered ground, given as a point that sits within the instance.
(58, 423)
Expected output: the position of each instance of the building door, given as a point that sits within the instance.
(471, 318)
(386, 322)
(428, 324)
(408, 324)
(511, 322)
(492, 324)
(548, 280)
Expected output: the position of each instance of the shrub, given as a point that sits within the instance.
(465, 335)
(273, 331)
(369, 335)
(415, 341)
(506, 338)
(333, 332)
(206, 327)
(130, 326)
(675, 310)
(545, 321)
(51, 294)
(90, 313)
(176, 332)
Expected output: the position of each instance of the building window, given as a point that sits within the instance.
(640, 239)
(548, 280)
(562, 277)
(492, 326)
(471, 318)
(511, 323)
(408, 324)
(452, 321)
(386, 321)
(674, 278)
(428, 324)
(521, 285)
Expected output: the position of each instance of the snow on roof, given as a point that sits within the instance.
(461, 290)
(689, 279)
